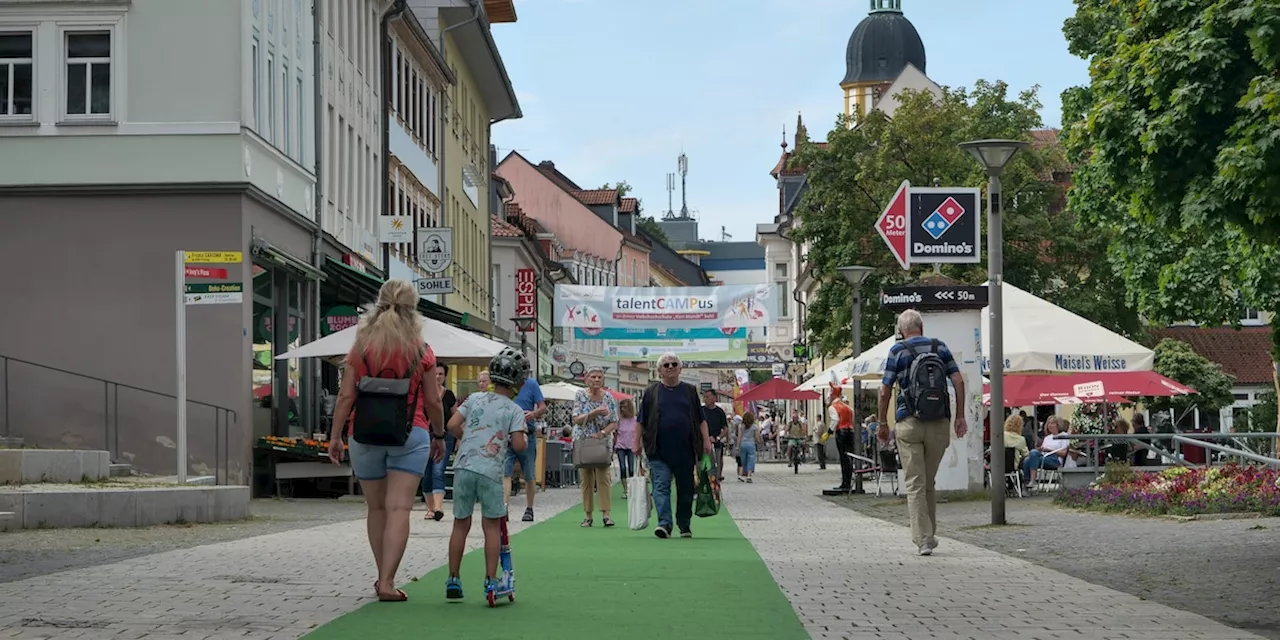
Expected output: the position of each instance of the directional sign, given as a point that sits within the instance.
(216, 287)
(943, 225)
(212, 273)
(213, 257)
(432, 286)
(214, 298)
(952, 297)
(892, 225)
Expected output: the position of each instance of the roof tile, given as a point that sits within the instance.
(1243, 353)
(594, 197)
(504, 229)
(629, 205)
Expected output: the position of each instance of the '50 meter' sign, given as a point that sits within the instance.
(926, 225)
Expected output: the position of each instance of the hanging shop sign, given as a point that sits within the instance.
(435, 248)
(526, 295)
(336, 319)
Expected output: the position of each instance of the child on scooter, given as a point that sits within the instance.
(483, 425)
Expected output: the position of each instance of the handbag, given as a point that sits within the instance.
(707, 493)
(592, 453)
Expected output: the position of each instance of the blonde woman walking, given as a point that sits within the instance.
(595, 416)
(390, 408)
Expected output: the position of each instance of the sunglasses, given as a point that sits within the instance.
(670, 365)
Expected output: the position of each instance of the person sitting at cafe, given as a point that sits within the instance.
(1052, 452)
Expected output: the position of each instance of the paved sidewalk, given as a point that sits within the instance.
(281, 585)
(855, 577)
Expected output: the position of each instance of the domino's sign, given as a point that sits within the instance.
(944, 225)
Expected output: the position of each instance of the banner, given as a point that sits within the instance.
(726, 308)
(692, 345)
(759, 356)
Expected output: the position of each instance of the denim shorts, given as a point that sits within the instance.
(528, 459)
(469, 488)
(371, 462)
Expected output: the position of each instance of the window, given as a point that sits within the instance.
(16, 60)
(269, 132)
(257, 82)
(302, 110)
(287, 108)
(1251, 317)
(88, 87)
(780, 270)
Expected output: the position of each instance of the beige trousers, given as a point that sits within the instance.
(595, 481)
(921, 445)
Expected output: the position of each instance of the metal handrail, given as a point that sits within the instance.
(1193, 439)
(111, 409)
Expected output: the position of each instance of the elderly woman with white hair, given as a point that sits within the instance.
(595, 415)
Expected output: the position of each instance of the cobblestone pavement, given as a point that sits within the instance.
(279, 585)
(856, 577)
(1227, 570)
(33, 552)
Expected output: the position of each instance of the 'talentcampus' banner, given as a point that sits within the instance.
(591, 310)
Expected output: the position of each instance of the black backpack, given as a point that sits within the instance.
(926, 387)
(384, 410)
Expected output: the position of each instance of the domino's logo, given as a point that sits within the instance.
(943, 217)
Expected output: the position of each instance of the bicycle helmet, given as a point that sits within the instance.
(509, 368)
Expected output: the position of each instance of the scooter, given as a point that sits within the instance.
(507, 583)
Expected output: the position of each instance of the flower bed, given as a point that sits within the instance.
(1183, 491)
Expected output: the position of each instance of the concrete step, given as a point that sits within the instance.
(121, 470)
(44, 506)
(30, 466)
(6, 515)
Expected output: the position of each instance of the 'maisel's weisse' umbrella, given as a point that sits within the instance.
(1112, 386)
(450, 344)
(777, 389)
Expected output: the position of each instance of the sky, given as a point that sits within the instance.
(615, 90)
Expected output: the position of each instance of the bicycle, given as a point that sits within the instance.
(795, 453)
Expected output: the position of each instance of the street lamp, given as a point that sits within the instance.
(524, 324)
(856, 275)
(994, 155)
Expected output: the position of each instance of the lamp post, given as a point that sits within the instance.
(856, 275)
(524, 324)
(994, 155)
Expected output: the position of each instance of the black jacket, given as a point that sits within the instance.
(649, 411)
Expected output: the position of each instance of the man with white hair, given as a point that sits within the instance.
(921, 367)
(674, 434)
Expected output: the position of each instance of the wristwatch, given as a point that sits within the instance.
(436, 437)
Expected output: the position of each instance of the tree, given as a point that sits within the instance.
(1178, 361)
(854, 175)
(1176, 138)
(651, 227)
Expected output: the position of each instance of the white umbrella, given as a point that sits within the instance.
(1041, 336)
(450, 344)
(560, 391)
(868, 366)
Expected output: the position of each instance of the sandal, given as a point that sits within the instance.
(398, 596)
(608, 522)
(587, 522)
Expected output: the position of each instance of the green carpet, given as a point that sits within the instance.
(573, 582)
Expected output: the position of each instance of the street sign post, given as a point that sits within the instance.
(943, 225)
(950, 297)
(892, 225)
(197, 294)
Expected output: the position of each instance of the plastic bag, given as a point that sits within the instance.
(637, 503)
(707, 496)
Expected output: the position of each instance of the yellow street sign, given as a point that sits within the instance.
(213, 257)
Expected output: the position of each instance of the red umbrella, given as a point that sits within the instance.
(1076, 388)
(263, 391)
(777, 389)
(618, 395)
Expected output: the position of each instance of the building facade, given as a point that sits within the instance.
(114, 148)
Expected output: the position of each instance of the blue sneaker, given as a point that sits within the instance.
(490, 586)
(453, 588)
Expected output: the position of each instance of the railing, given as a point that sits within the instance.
(222, 416)
(1144, 441)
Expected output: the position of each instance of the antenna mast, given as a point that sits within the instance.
(671, 187)
(683, 165)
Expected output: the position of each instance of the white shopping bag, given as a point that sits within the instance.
(637, 503)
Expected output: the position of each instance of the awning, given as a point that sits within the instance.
(272, 254)
(368, 285)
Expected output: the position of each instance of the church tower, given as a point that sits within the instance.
(882, 45)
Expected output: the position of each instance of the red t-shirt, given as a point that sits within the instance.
(399, 365)
(844, 415)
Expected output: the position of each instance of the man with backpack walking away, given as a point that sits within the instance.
(921, 367)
